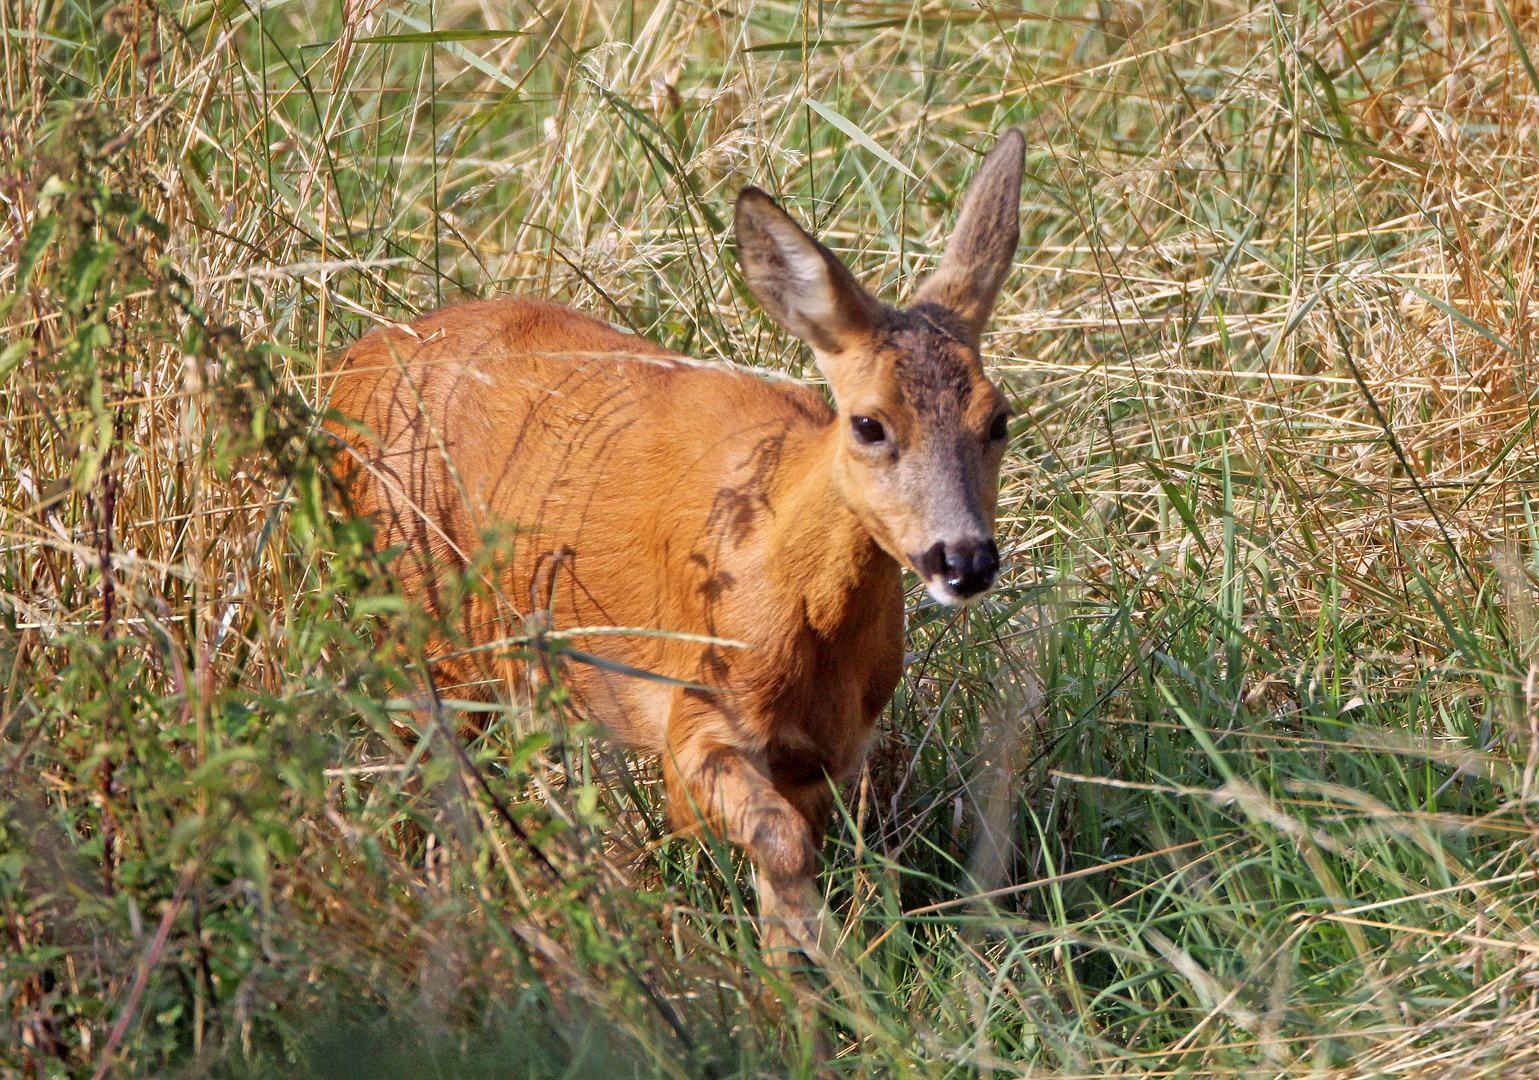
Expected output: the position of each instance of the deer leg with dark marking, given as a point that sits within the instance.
(725, 789)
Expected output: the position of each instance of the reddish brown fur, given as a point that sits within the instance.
(653, 492)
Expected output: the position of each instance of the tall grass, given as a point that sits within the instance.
(1233, 775)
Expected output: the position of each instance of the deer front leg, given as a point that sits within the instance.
(717, 785)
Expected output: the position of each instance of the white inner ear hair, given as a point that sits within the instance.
(809, 291)
(801, 258)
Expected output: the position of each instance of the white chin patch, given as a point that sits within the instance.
(945, 594)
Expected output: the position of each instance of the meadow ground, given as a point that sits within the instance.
(1235, 773)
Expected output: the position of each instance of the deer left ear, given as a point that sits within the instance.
(799, 282)
(981, 250)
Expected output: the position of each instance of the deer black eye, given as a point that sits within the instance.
(867, 430)
(1000, 427)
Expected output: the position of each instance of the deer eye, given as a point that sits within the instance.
(1000, 428)
(868, 430)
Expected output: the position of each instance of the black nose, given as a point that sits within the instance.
(968, 566)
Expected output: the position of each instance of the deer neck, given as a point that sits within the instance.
(827, 554)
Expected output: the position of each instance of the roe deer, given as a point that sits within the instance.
(652, 491)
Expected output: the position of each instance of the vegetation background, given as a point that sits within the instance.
(1234, 775)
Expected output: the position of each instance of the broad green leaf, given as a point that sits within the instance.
(437, 36)
(849, 128)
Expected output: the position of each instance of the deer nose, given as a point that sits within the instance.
(967, 566)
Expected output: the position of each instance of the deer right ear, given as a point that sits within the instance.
(981, 250)
(799, 282)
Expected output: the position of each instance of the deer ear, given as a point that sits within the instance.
(799, 282)
(981, 250)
